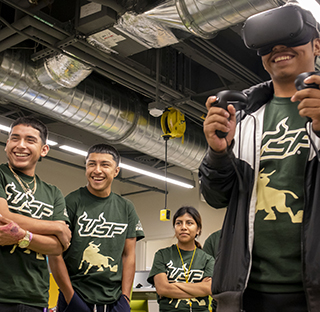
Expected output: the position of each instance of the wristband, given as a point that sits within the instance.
(126, 297)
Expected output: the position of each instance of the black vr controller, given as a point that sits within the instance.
(300, 84)
(238, 99)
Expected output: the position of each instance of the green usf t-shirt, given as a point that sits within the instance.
(211, 244)
(99, 228)
(277, 263)
(168, 261)
(24, 276)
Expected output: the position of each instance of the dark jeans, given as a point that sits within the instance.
(78, 305)
(15, 307)
(256, 301)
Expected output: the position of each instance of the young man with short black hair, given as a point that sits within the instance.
(28, 207)
(97, 271)
(267, 173)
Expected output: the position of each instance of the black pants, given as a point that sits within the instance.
(14, 307)
(256, 301)
(78, 305)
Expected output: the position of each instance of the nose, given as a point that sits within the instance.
(279, 47)
(21, 143)
(97, 169)
(183, 225)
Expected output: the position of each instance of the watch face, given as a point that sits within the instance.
(24, 243)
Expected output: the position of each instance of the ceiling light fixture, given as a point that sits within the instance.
(73, 150)
(5, 128)
(52, 143)
(156, 173)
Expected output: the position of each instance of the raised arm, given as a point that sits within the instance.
(129, 265)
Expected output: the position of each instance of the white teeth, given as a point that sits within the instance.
(21, 155)
(97, 179)
(282, 58)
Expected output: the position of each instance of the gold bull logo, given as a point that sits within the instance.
(202, 302)
(269, 197)
(92, 256)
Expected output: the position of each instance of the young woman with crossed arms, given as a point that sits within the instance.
(182, 272)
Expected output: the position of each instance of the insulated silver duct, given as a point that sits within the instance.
(101, 109)
(206, 17)
(62, 71)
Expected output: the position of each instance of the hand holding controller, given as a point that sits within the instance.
(238, 99)
(300, 84)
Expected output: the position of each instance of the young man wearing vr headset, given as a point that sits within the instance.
(267, 173)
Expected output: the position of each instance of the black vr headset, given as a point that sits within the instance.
(289, 25)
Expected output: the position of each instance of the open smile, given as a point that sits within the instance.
(98, 179)
(282, 58)
(19, 155)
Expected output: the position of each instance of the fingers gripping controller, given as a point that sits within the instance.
(300, 84)
(238, 99)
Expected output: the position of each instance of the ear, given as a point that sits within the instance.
(316, 46)
(44, 150)
(116, 172)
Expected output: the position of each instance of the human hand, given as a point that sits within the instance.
(309, 105)
(64, 234)
(10, 232)
(219, 119)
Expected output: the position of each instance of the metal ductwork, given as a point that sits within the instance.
(204, 18)
(62, 71)
(113, 113)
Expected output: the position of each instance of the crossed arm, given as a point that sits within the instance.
(49, 237)
(181, 290)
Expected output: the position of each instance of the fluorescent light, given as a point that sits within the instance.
(157, 174)
(5, 128)
(52, 143)
(313, 6)
(73, 150)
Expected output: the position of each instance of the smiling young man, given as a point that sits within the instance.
(267, 173)
(97, 271)
(27, 233)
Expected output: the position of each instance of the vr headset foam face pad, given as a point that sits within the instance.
(289, 25)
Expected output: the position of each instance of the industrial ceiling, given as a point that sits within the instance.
(91, 70)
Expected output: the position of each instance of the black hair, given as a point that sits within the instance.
(105, 149)
(34, 123)
(194, 213)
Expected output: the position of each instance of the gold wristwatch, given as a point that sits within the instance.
(25, 241)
